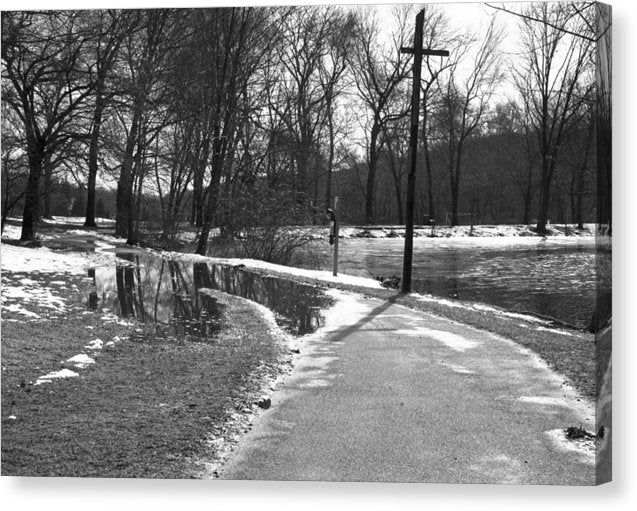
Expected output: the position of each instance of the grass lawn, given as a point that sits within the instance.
(148, 405)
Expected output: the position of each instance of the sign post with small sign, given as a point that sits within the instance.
(333, 216)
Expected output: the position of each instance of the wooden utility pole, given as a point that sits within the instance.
(417, 51)
(336, 226)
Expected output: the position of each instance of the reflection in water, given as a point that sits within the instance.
(158, 293)
(553, 277)
(168, 294)
(297, 306)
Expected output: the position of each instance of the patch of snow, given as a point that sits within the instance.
(347, 311)
(18, 308)
(77, 220)
(12, 232)
(554, 330)
(484, 308)
(81, 361)
(96, 344)
(585, 448)
(513, 315)
(441, 301)
(41, 260)
(28, 292)
(63, 373)
(461, 231)
(319, 275)
(113, 342)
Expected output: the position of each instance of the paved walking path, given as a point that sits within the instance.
(391, 394)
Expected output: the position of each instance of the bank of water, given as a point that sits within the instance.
(167, 294)
(556, 277)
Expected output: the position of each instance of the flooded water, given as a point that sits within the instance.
(170, 294)
(552, 277)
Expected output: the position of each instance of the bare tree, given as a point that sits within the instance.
(379, 71)
(554, 82)
(108, 27)
(332, 76)
(147, 53)
(465, 100)
(312, 59)
(236, 41)
(13, 162)
(47, 83)
(436, 34)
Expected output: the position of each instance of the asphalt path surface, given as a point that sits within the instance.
(386, 393)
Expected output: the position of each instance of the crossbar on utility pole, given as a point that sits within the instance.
(417, 51)
(426, 51)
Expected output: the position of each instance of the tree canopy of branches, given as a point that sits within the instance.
(379, 73)
(193, 113)
(46, 82)
(464, 101)
(554, 82)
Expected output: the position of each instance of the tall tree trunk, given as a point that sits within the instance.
(371, 175)
(32, 195)
(48, 183)
(136, 194)
(545, 195)
(426, 152)
(93, 156)
(429, 179)
(454, 201)
(213, 197)
(198, 198)
(579, 208)
(399, 200)
(398, 192)
(124, 200)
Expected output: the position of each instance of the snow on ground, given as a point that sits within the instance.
(56, 375)
(65, 227)
(16, 307)
(255, 264)
(486, 308)
(96, 344)
(81, 360)
(11, 232)
(77, 220)
(444, 231)
(41, 260)
(19, 292)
